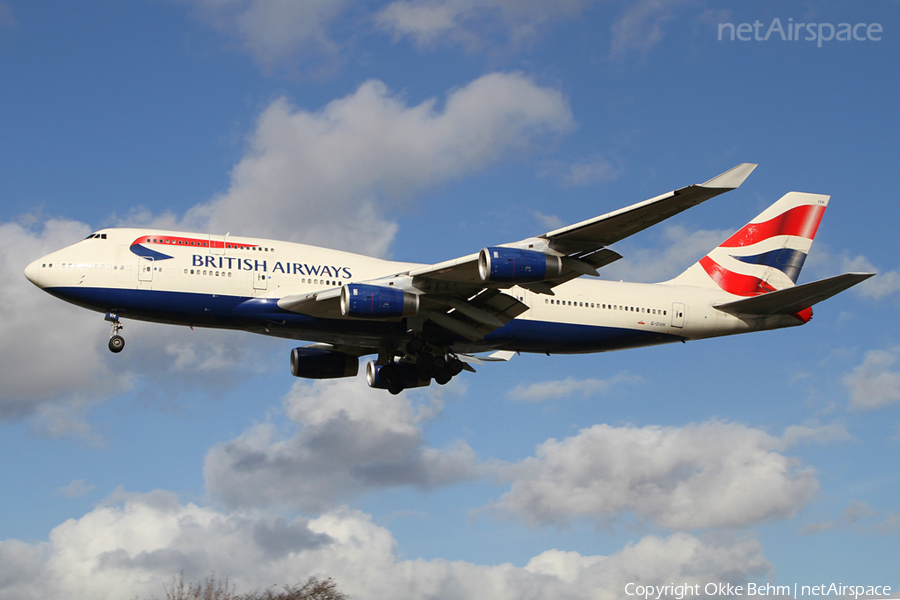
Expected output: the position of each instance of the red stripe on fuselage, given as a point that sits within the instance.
(174, 240)
(802, 221)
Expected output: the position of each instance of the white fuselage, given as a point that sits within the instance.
(207, 280)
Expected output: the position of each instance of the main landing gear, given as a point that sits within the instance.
(416, 368)
(116, 341)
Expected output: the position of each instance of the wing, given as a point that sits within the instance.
(615, 226)
(583, 246)
(466, 295)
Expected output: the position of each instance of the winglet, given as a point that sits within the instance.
(732, 178)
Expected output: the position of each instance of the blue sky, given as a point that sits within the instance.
(422, 130)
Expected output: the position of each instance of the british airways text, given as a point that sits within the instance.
(250, 264)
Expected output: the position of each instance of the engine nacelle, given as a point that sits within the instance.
(407, 374)
(512, 265)
(377, 302)
(319, 363)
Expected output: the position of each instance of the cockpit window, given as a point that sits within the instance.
(99, 236)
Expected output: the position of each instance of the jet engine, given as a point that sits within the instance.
(320, 363)
(512, 265)
(377, 302)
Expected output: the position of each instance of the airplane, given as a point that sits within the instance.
(427, 322)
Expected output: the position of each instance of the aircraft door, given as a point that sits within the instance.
(528, 298)
(145, 269)
(260, 280)
(678, 314)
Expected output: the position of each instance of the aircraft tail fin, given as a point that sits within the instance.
(766, 254)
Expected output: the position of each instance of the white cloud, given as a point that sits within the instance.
(596, 169)
(548, 222)
(135, 546)
(641, 27)
(588, 172)
(77, 488)
(277, 32)
(7, 16)
(823, 434)
(554, 390)
(712, 474)
(474, 23)
(860, 517)
(327, 177)
(875, 383)
(885, 283)
(349, 439)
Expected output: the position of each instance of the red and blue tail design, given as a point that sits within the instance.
(766, 254)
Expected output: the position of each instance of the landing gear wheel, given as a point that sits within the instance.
(116, 344)
(116, 341)
(455, 367)
(391, 375)
(443, 377)
(415, 345)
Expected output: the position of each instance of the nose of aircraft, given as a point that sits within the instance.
(33, 272)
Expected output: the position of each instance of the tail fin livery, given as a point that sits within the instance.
(766, 254)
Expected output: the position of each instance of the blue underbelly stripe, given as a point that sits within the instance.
(239, 312)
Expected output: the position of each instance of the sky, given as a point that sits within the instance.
(424, 130)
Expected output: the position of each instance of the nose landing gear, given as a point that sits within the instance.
(116, 341)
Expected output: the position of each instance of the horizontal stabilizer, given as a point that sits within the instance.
(794, 299)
